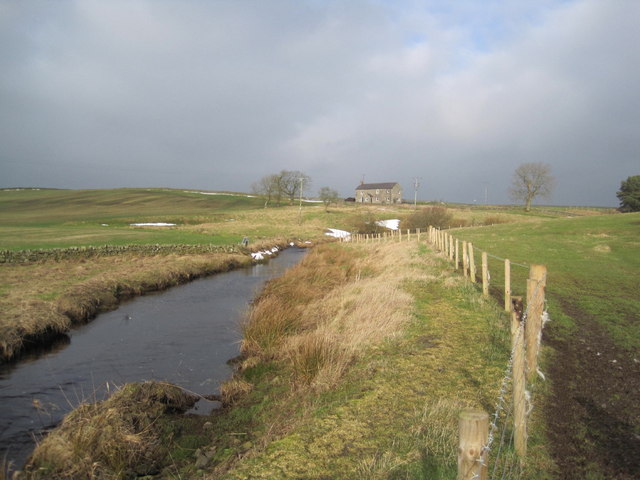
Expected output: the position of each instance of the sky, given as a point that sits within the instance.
(214, 95)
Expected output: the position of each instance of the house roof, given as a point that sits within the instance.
(374, 186)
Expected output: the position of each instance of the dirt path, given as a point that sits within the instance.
(594, 409)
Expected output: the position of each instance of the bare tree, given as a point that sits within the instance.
(531, 180)
(328, 196)
(292, 183)
(269, 187)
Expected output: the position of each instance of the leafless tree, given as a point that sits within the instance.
(287, 183)
(328, 196)
(269, 187)
(292, 183)
(531, 180)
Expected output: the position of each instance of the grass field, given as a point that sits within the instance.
(405, 384)
(591, 411)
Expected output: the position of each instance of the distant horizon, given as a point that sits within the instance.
(406, 201)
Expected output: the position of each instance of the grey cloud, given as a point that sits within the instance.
(216, 94)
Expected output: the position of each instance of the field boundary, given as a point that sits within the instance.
(57, 254)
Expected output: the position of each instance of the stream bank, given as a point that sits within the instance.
(184, 335)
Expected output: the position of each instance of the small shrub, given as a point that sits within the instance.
(365, 223)
(438, 217)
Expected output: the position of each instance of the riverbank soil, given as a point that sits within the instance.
(593, 410)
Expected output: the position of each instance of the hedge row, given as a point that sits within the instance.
(56, 254)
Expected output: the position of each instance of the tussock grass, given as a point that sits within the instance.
(321, 313)
(115, 439)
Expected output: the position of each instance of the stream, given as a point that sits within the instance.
(184, 336)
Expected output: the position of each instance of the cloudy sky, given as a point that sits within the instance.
(216, 94)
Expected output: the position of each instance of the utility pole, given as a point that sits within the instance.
(416, 184)
(300, 209)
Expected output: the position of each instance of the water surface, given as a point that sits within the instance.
(184, 336)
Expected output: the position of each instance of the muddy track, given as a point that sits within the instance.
(593, 412)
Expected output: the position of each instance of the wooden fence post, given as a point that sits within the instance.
(472, 262)
(474, 433)
(535, 305)
(519, 382)
(450, 247)
(457, 254)
(465, 258)
(485, 275)
(418, 233)
(507, 285)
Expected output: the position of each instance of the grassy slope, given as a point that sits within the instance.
(60, 218)
(590, 411)
(593, 265)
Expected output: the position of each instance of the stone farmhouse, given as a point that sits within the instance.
(381, 193)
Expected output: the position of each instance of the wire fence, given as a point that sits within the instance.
(495, 446)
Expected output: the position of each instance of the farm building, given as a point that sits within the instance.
(390, 192)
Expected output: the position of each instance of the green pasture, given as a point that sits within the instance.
(593, 267)
(32, 219)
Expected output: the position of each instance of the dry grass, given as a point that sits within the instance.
(324, 312)
(115, 439)
(372, 378)
(234, 389)
(40, 299)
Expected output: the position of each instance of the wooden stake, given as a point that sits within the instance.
(485, 275)
(457, 254)
(507, 285)
(535, 305)
(519, 382)
(472, 262)
(450, 247)
(465, 258)
(474, 433)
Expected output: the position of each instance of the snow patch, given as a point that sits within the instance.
(334, 232)
(392, 224)
(220, 193)
(155, 224)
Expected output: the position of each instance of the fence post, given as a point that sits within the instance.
(399, 234)
(472, 262)
(450, 247)
(465, 258)
(535, 305)
(418, 233)
(519, 382)
(485, 275)
(457, 253)
(474, 433)
(507, 285)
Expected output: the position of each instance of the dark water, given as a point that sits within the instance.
(183, 336)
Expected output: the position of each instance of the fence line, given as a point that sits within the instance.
(502, 441)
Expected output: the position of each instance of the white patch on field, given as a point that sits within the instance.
(334, 232)
(220, 193)
(392, 224)
(156, 224)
